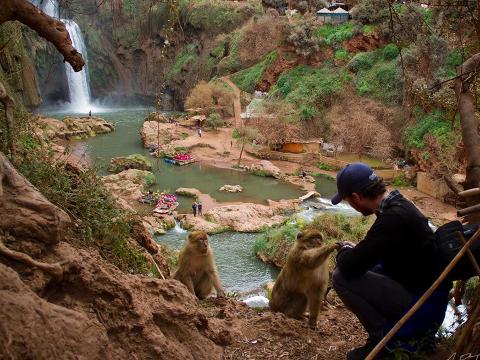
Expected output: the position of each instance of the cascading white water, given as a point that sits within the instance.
(77, 81)
(78, 84)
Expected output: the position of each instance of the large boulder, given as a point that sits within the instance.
(72, 127)
(197, 223)
(155, 133)
(129, 185)
(231, 188)
(188, 192)
(92, 125)
(135, 161)
(266, 168)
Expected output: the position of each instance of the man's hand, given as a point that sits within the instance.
(347, 244)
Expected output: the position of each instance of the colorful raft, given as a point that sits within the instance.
(180, 159)
(167, 203)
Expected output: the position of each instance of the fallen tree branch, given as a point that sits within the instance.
(56, 270)
(47, 27)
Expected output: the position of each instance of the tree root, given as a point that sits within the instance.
(9, 105)
(56, 270)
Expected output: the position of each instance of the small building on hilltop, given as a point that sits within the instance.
(336, 16)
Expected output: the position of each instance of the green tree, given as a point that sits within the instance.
(244, 136)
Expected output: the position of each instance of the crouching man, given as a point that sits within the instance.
(381, 277)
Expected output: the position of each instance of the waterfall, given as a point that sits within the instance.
(78, 84)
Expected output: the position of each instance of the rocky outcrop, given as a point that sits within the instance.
(35, 326)
(25, 212)
(191, 223)
(265, 168)
(242, 217)
(231, 188)
(154, 133)
(158, 224)
(135, 161)
(188, 192)
(72, 127)
(128, 185)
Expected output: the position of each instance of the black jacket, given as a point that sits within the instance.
(401, 241)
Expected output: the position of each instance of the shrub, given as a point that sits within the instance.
(400, 181)
(323, 166)
(434, 123)
(342, 54)
(362, 61)
(82, 195)
(390, 52)
(383, 81)
(307, 112)
(214, 120)
(362, 134)
(371, 11)
(334, 34)
(248, 79)
(302, 35)
(201, 96)
(368, 29)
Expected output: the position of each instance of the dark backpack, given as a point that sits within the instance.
(449, 244)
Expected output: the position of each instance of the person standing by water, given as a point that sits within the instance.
(199, 209)
(194, 208)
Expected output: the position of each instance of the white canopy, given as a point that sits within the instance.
(340, 11)
(324, 11)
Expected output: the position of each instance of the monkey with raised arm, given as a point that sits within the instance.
(304, 278)
(196, 266)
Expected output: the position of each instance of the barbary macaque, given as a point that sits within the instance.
(196, 266)
(304, 278)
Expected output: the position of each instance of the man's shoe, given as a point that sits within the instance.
(362, 352)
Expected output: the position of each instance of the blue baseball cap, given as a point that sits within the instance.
(352, 178)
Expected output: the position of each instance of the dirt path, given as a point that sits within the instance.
(236, 101)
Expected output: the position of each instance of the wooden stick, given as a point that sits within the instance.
(424, 297)
(467, 330)
(470, 255)
(468, 210)
(469, 192)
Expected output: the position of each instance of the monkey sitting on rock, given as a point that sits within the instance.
(196, 266)
(304, 278)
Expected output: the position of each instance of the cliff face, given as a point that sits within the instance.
(143, 52)
(16, 68)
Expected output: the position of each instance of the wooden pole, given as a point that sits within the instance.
(469, 192)
(468, 210)
(424, 297)
(473, 319)
(470, 255)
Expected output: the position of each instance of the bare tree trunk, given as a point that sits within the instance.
(241, 153)
(46, 26)
(471, 137)
(9, 105)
